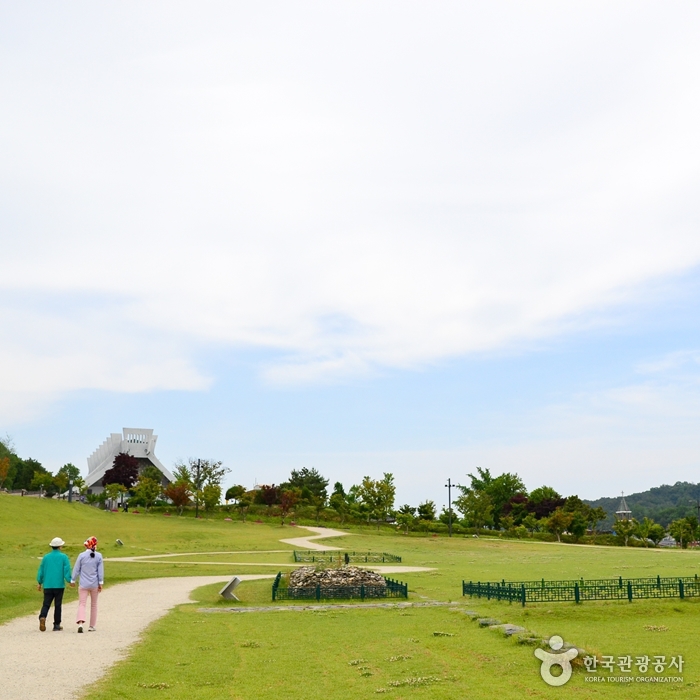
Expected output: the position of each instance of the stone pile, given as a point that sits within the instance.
(308, 576)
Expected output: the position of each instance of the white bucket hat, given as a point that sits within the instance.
(56, 542)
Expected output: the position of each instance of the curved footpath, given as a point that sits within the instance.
(51, 665)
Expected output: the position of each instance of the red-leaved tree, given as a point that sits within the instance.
(124, 471)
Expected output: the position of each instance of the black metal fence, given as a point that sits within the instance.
(311, 557)
(580, 590)
(393, 589)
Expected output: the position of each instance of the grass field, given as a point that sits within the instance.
(205, 655)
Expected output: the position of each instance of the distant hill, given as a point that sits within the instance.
(662, 503)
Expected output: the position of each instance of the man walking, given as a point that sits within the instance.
(54, 572)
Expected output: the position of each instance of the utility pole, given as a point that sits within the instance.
(196, 491)
(448, 486)
(70, 493)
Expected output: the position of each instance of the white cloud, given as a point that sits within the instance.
(355, 186)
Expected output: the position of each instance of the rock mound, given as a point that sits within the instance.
(308, 576)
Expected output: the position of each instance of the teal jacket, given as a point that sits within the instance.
(54, 570)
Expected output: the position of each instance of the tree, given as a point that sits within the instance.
(657, 533)
(71, 471)
(340, 505)
(378, 496)
(124, 471)
(578, 525)
(211, 497)
(308, 480)
(288, 499)
(43, 481)
(500, 489)
(179, 493)
(4, 470)
(318, 503)
(147, 492)
(199, 473)
(530, 523)
(595, 516)
(151, 472)
(682, 531)
(543, 493)
(476, 508)
(427, 510)
(626, 528)
(558, 522)
(643, 530)
(244, 502)
(235, 493)
(405, 518)
(268, 495)
(114, 491)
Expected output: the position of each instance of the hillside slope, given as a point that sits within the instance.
(662, 503)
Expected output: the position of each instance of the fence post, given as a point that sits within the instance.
(620, 581)
(577, 593)
(488, 591)
(318, 591)
(522, 594)
(658, 582)
(362, 591)
(629, 591)
(681, 588)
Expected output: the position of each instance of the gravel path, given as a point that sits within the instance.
(60, 665)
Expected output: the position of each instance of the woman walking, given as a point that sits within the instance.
(90, 569)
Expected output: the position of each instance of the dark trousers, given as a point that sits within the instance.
(54, 595)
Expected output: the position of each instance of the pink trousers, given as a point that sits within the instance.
(83, 594)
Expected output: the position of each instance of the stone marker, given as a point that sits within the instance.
(229, 588)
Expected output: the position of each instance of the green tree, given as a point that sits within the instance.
(71, 471)
(476, 508)
(682, 531)
(531, 523)
(199, 473)
(43, 481)
(558, 522)
(151, 472)
(405, 519)
(211, 497)
(310, 480)
(626, 529)
(244, 503)
(339, 503)
(500, 489)
(657, 533)
(427, 510)
(147, 492)
(543, 493)
(235, 493)
(114, 491)
(578, 524)
(378, 495)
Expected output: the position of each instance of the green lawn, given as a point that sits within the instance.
(309, 654)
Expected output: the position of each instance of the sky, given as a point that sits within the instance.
(356, 236)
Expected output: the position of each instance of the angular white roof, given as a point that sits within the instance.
(137, 442)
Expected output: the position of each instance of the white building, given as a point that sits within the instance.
(137, 442)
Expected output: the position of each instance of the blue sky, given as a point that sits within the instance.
(361, 237)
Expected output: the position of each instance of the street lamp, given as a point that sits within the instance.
(448, 486)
